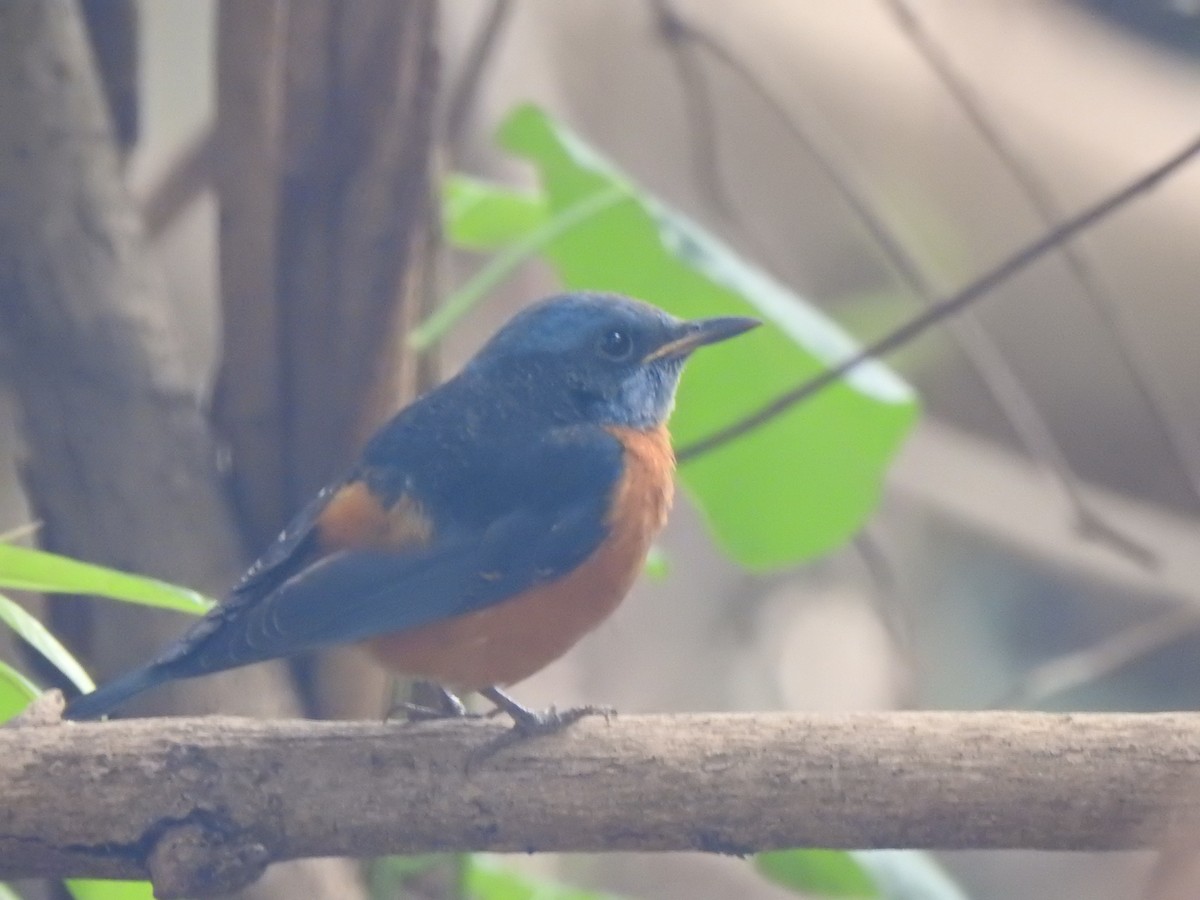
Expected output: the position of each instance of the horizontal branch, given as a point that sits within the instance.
(203, 804)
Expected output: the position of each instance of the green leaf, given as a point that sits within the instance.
(881, 874)
(483, 215)
(389, 875)
(802, 484)
(100, 889)
(483, 879)
(40, 639)
(7, 893)
(658, 566)
(15, 691)
(503, 264)
(826, 873)
(25, 569)
(908, 875)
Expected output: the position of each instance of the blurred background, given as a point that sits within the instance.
(1038, 543)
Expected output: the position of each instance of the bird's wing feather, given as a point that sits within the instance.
(555, 502)
(288, 552)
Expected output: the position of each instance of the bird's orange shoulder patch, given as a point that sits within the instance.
(355, 519)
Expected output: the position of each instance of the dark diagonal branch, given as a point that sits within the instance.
(1043, 203)
(185, 180)
(1111, 654)
(679, 37)
(1041, 199)
(997, 375)
(478, 58)
(951, 305)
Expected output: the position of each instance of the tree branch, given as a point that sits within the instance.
(976, 290)
(120, 465)
(1176, 431)
(998, 377)
(202, 805)
(478, 59)
(112, 27)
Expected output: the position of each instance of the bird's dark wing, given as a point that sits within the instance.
(549, 503)
(295, 546)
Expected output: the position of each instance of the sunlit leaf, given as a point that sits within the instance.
(100, 889)
(483, 215)
(15, 691)
(484, 879)
(22, 568)
(657, 565)
(804, 483)
(504, 263)
(390, 875)
(821, 873)
(7, 893)
(40, 639)
(909, 875)
(882, 874)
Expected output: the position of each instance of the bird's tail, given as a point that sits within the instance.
(109, 696)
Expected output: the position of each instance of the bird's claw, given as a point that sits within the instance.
(532, 723)
(528, 723)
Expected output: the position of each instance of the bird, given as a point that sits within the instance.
(483, 530)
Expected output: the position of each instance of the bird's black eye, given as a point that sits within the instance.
(616, 344)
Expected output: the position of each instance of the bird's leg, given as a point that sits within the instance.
(528, 722)
(436, 702)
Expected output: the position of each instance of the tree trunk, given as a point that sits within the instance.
(324, 125)
(121, 467)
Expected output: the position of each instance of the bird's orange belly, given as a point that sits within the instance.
(509, 641)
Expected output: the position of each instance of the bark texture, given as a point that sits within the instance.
(325, 116)
(323, 149)
(121, 467)
(201, 805)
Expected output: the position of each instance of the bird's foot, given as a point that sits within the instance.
(534, 723)
(528, 723)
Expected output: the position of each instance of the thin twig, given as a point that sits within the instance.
(881, 571)
(996, 374)
(921, 323)
(478, 58)
(1085, 666)
(679, 30)
(114, 31)
(677, 34)
(20, 532)
(188, 176)
(1174, 432)
(504, 263)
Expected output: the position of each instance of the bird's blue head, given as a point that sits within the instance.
(598, 358)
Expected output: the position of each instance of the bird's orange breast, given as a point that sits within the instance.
(511, 640)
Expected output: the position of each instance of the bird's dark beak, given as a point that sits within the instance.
(699, 332)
